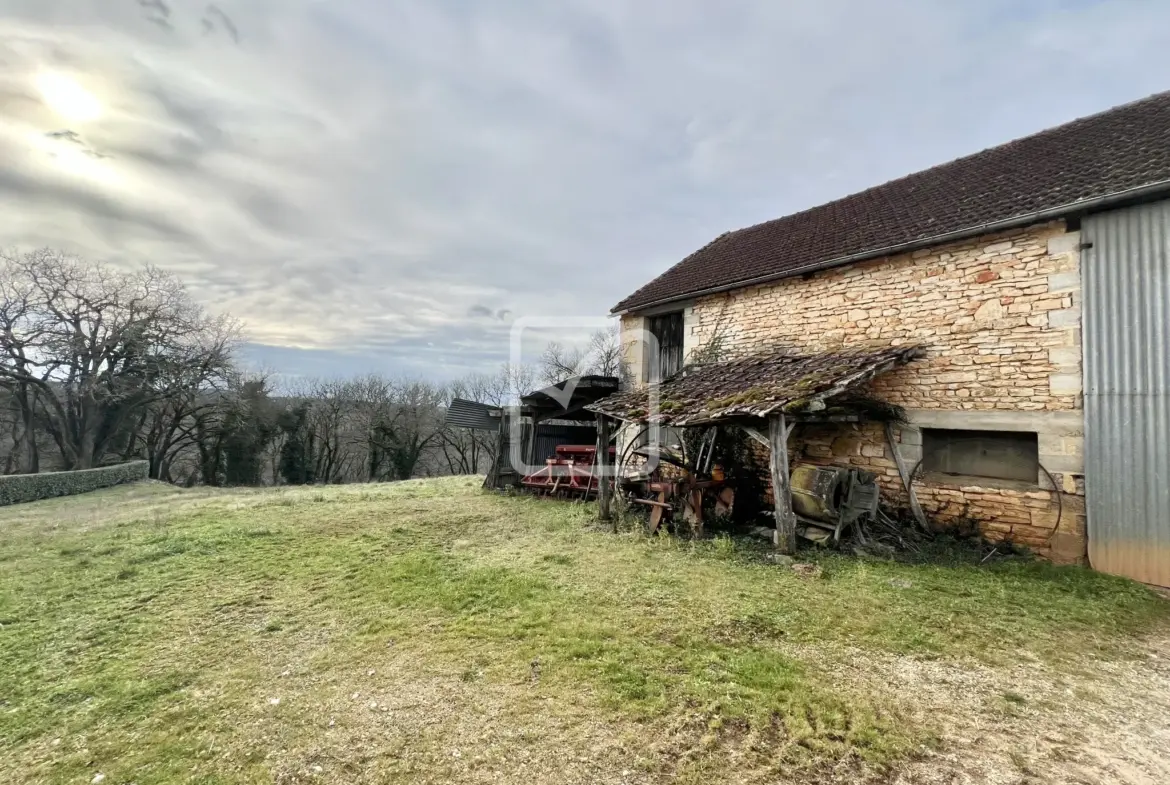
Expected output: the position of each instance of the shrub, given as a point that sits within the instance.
(17, 488)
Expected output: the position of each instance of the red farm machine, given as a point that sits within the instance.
(570, 472)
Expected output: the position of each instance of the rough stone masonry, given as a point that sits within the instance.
(999, 318)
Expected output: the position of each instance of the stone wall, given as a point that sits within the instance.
(999, 320)
(1047, 517)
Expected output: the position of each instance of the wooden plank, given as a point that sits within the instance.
(907, 480)
(492, 480)
(759, 437)
(697, 508)
(530, 458)
(765, 440)
(785, 536)
(604, 478)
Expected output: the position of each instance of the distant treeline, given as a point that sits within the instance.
(99, 366)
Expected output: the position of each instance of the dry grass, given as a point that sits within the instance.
(428, 632)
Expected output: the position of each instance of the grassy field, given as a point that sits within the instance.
(430, 632)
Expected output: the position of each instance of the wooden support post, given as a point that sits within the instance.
(785, 535)
(492, 481)
(696, 504)
(530, 453)
(604, 478)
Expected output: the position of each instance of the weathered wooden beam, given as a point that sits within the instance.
(604, 475)
(619, 439)
(785, 537)
(696, 511)
(767, 441)
(759, 437)
(492, 480)
(530, 453)
(907, 480)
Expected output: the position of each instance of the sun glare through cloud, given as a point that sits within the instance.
(68, 97)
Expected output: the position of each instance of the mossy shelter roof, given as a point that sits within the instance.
(756, 386)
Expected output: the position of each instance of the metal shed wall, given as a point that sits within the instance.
(549, 437)
(1126, 285)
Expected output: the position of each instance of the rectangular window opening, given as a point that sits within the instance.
(1001, 455)
(667, 329)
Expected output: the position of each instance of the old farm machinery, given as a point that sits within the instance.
(570, 472)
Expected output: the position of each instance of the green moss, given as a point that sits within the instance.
(800, 406)
(807, 381)
(751, 395)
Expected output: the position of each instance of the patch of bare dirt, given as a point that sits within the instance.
(1108, 724)
(1029, 724)
(401, 722)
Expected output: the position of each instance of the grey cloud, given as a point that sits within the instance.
(24, 192)
(269, 210)
(161, 23)
(157, 13)
(74, 138)
(371, 182)
(66, 135)
(215, 17)
(156, 5)
(186, 133)
(478, 311)
(190, 114)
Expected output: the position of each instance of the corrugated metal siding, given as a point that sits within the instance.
(1126, 284)
(470, 414)
(548, 437)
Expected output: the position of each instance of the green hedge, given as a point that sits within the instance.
(17, 488)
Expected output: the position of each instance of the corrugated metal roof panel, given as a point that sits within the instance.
(471, 414)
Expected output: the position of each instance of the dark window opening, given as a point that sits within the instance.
(667, 329)
(1001, 455)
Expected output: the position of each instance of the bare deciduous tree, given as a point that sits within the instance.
(106, 363)
(87, 347)
(605, 352)
(602, 356)
(413, 424)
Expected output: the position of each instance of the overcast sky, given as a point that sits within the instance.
(386, 184)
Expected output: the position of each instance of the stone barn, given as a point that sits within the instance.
(1034, 279)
